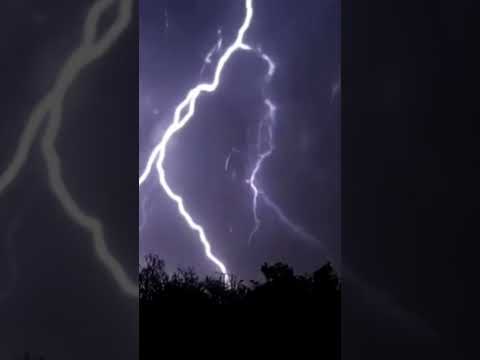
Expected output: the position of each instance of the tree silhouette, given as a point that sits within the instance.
(313, 299)
(281, 286)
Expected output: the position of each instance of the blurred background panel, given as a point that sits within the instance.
(68, 239)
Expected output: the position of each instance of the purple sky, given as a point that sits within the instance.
(302, 176)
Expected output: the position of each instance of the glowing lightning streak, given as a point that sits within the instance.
(217, 47)
(143, 213)
(52, 104)
(297, 229)
(268, 123)
(158, 153)
(165, 15)
(227, 161)
(143, 220)
(52, 159)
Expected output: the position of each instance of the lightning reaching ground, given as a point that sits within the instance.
(50, 107)
(158, 154)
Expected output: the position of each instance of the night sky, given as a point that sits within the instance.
(302, 176)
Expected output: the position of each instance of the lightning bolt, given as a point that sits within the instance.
(216, 48)
(267, 123)
(295, 228)
(266, 147)
(165, 15)
(266, 136)
(51, 107)
(158, 154)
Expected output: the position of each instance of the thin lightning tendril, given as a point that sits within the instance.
(295, 228)
(158, 154)
(143, 213)
(265, 129)
(216, 48)
(267, 123)
(51, 107)
(227, 160)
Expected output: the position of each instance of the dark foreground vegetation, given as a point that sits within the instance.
(281, 286)
(295, 311)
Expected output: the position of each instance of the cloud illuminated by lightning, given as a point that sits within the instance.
(158, 154)
(51, 107)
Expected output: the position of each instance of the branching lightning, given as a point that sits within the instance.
(295, 228)
(265, 143)
(143, 213)
(265, 148)
(158, 154)
(265, 131)
(51, 107)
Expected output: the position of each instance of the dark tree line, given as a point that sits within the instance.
(299, 313)
(280, 286)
